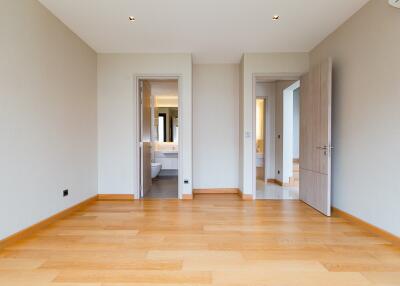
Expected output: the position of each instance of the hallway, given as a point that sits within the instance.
(272, 191)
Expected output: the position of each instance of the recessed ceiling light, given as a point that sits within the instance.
(395, 3)
(132, 19)
(275, 17)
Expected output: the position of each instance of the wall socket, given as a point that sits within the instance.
(65, 193)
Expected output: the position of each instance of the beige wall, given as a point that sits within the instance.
(215, 126)
(47, 116)
(118, 157)
(366, 117)
(272, 64)
(241, 124)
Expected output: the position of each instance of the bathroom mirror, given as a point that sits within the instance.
(167, 124)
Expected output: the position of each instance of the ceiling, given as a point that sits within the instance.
(214, 31)
(164, 88)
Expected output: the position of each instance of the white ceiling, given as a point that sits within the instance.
(214, 31)
(165, 88)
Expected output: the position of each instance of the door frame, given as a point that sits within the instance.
(255, 76)
(138, 119)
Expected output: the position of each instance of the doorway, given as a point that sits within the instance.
(159, 138)
(277, 138)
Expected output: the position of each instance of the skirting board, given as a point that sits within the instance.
(245, 197)
(278, 182)
(187, 197)
(37, 226)
(216, 191)
(374, 229)
(115, 197)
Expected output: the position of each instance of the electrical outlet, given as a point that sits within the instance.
(186, 181)
(65, 193)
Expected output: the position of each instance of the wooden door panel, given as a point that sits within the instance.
(326, 113)
(146, 111)
(147, 182)
(313, 185)
(315, 92)
(146, 137)
(306, 185)
(305, 124)
(315, 137)
(322, 195)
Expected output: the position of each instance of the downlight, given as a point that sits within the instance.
(394, 3)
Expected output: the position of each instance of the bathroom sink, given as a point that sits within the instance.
(167, 153)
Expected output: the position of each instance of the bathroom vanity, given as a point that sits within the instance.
(167, 158)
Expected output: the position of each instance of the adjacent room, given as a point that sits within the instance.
(159, 145)
(199, 142)
(277, 138)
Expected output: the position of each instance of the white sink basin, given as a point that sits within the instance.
(167, 153)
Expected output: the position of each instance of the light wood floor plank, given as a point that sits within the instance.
(212, 240)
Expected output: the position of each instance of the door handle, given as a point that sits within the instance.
(324, 147)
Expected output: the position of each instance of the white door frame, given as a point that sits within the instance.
(272, 76)
(137, 163)
(287, 141)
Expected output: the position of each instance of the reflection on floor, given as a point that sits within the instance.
(164, 187)
(270, 191)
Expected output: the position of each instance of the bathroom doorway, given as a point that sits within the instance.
(277, 138)
(159, 138)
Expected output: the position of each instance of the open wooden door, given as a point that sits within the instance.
(315, 137)
(145, 141)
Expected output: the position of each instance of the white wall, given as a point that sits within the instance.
(117, 124)
(274, 64)
(296, 123)
(366, 118)
(280, 86)
(215, 126)
(267, 91)
(241, 122)
(47, 116)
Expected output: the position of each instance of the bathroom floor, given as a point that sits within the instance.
(270, 191)
(164, 187)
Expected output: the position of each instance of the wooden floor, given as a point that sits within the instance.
(210, 240)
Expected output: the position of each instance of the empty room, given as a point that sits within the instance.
(199, 142)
